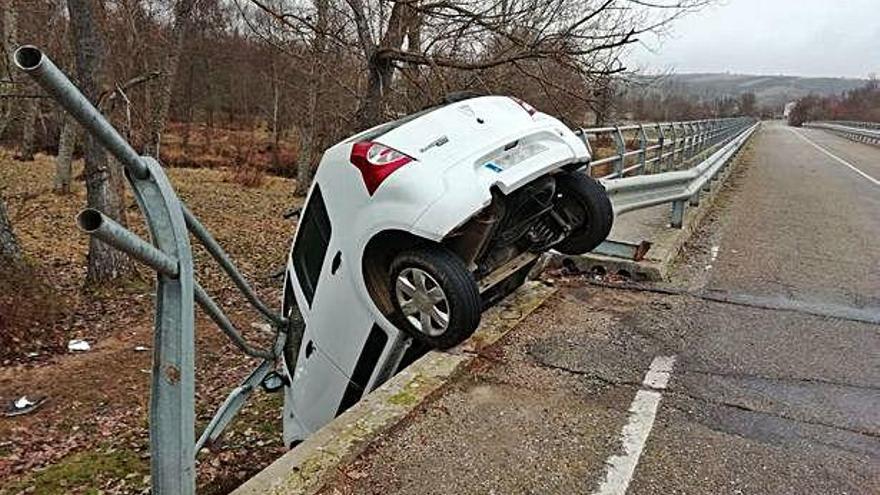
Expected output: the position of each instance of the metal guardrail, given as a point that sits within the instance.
(640, 149)
(173, 446)
(676, 187)
(670, 162)
(865, 132)
(852, 123)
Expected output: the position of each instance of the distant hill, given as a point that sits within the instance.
(769, 90)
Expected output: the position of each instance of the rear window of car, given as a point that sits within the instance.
(311, 244)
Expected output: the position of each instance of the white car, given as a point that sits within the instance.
(412, 228)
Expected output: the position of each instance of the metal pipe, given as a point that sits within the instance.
(37, 65)
(95, 223)
(103, 227)
(219, 255)
(210, 307)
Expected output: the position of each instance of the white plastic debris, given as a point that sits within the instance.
(265, 327)
(78, 345)
(23, 405)
(141, 348)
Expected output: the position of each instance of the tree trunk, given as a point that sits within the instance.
(380, 68)
(28, 129)
(104, 262)
(308, 131)
(370, 113)
(64, 160)
(22, 112)
(276, 130)
(8, 25)
(304, 162)
(10, 252)
(165, 82)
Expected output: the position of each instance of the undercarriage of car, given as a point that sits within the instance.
(533, 219)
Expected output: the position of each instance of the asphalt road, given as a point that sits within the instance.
(772, 340)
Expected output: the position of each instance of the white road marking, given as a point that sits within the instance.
(837, 158)
(635, 433)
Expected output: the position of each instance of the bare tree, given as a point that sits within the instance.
(30, 113)
(475, 36)
(183, 12)
(25, 110)
(64, 160)
(104, 262)
(9, 20)
(314, 81)
(748, 104)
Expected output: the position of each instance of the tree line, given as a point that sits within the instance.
(861, 104)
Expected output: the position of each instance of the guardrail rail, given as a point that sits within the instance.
(863, 132)
(645, 165)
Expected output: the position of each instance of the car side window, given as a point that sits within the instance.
(311, 244)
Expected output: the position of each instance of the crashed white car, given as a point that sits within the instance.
(412, 228)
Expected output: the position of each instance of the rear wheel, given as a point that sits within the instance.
(435, 297)
(584, 205)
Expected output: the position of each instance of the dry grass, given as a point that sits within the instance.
(198, 146)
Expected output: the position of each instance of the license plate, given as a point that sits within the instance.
(514, 156)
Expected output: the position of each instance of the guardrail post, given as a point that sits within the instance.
(172, 398)
(643, 144)
(620, 163)
(686, 143)
(692, 132)
(706, 139)
(677, 218)
(674, 147)
(661, 138)
(699, 147)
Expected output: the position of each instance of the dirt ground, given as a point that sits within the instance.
(91, 434)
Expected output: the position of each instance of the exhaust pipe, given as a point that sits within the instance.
(33, 62)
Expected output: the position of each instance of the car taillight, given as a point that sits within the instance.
(376, 162)
(525, 106)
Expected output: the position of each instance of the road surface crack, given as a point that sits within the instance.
(742, 407)
(810, 381)
(587, 374)
(868, 315)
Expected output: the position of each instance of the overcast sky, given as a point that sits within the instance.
(837, 38)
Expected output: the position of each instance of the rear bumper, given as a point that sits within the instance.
(468, 186)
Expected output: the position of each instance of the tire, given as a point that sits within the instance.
(583, 202)
(458, 290)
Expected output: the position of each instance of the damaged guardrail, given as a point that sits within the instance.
(865, 132)
(173, 445)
